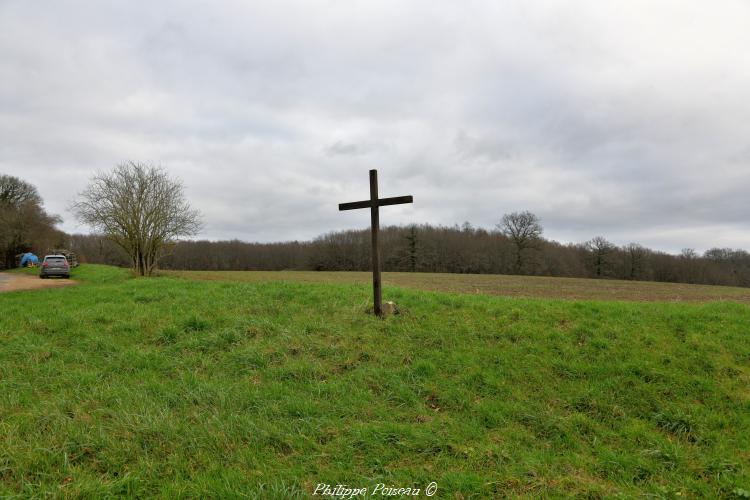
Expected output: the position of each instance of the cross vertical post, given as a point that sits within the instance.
(375, 227)
(374, 204)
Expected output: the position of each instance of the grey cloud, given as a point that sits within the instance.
(604, 118)
(341, 148)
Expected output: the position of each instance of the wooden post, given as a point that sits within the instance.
(375, 229)
(374, 204)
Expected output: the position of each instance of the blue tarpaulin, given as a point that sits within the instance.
(29, 258)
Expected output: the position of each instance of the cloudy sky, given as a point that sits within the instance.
(629, 119)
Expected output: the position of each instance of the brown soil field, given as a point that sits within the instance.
(501, 285)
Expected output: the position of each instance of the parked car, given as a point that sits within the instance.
(54, 265)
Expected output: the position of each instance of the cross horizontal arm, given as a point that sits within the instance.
(382, 202)
(396, 200)
(355, 204)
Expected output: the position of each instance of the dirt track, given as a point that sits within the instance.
(14, 282)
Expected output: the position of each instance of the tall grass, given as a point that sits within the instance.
(170, 387)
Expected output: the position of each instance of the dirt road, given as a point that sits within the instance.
(11, 282)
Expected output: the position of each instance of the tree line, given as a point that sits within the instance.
(441, 249)
(25, 226)
(141, 214)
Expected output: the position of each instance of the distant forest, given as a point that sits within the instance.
(440, 249)
(515, 247)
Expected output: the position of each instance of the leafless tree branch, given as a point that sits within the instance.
(140, 208)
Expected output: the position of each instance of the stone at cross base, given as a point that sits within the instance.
(389, 307)
(386, 309)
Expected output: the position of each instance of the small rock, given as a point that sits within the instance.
(389, 308)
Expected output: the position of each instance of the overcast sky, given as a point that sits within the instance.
(629, 119)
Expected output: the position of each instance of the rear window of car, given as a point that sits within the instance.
(55, 259)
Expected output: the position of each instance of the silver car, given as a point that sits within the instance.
(54, 265)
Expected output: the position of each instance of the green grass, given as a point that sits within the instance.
(173, 387)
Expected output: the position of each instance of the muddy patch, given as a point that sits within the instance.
(14, 282)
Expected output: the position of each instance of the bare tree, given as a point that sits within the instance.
(688, 254)
(635, 258)
(689, 258)
(525, 230)
(15, 192)
(140, 208)
(601, 255)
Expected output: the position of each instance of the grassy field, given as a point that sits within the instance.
(488, 284)
(178, 387)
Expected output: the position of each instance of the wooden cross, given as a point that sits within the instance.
(374, 203)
